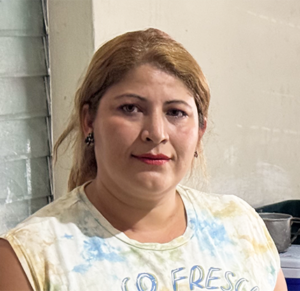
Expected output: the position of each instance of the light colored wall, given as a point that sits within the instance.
(250, 53)
(71, 47)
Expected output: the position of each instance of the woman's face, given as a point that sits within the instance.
(146, 132)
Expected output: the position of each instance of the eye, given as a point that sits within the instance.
(129, 108)
(177, 113)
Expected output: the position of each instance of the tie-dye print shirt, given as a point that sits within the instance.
(69, 245)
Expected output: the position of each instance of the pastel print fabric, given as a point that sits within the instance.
(69, 245)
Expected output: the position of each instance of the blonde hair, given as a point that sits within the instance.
(109, 65)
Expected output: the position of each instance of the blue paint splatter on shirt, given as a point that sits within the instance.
(211, 234)
(68, 236)
(96, 249)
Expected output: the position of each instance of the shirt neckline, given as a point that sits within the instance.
(175, 243)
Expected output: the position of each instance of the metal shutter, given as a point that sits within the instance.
(25, 139)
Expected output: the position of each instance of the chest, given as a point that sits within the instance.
(192, 266)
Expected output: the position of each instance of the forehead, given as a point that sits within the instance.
(150, 81)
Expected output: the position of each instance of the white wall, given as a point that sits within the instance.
(71, 48)
(250, 53)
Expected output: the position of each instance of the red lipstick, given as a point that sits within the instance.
(151, 159)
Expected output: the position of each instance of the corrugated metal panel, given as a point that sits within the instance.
(21, 18)
(25, 97)
(23, 138)
(22, 56)
(25, 178)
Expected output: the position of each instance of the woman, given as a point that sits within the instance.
(139, 118)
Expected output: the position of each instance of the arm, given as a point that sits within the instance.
(12, 274)
(280, 284)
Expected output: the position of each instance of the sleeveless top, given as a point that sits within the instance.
(69, 245)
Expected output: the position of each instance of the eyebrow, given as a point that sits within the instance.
(145, 99)
(178, 102)
(131, 96)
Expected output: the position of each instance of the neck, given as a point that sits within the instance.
(159, 218)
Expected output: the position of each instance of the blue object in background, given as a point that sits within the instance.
(290, 265)
(293, 284)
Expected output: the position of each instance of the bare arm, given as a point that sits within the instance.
(12, 276)
(281, 284)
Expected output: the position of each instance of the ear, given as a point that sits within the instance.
(86, 120)
(202, 130)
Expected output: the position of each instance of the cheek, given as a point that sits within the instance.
(117, 134)
(190, 133)
(186, 140)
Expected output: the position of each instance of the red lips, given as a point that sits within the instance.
(151, 159)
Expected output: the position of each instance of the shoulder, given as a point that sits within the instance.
(60, 205)
(42, 236)
(45, 226)
(58, 210)
(230, 210)
(240, 222)
(220, 205)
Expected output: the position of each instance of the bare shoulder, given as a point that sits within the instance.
(12, 274)
(280, 284)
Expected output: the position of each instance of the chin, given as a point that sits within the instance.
(152, 184)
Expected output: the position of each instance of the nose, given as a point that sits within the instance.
(155, 129)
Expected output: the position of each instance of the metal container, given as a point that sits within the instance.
(279, 227)
(291, 207)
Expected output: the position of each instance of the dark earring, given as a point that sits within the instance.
(89, 139)
(196, 154)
